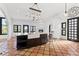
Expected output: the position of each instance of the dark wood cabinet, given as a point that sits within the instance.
(21, 41)
(43, 38)
(73, 29)
(24, 42)
(37, 41)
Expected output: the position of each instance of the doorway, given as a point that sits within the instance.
(50, 32)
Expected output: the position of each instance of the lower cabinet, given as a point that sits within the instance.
(43, 38)
(24, 42)
(21, 41)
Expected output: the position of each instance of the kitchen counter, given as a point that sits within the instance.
(32, 35)
(30, 40)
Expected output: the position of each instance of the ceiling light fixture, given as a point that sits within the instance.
(65, 9)
(35, 8)
(35, 11)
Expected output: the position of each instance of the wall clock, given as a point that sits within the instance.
(73, 12)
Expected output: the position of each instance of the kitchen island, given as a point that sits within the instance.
(31, 40)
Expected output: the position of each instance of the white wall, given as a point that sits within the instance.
(29, 22)
(1, 14)
(56, 25)
(22, 22)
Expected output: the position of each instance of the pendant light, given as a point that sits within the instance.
(35, 12)
(65, 12)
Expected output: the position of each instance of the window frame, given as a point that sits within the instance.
(27, 28)
(17, 29)
(63, 26)
(1, 32)
(32, 28)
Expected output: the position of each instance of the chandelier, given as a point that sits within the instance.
(72, 12)
(35, 12)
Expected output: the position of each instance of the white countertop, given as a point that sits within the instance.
(33, 35)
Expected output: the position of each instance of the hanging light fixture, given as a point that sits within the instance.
(35, 4)
(35, 11)
(73, 11)
(65, 13)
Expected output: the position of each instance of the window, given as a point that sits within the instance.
(3, 26)
(73, 28)
(17, 28)
(63, 31)
(25, 28)
(40, 30)
(32, 28)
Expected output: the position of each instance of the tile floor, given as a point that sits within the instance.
(55, 47)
